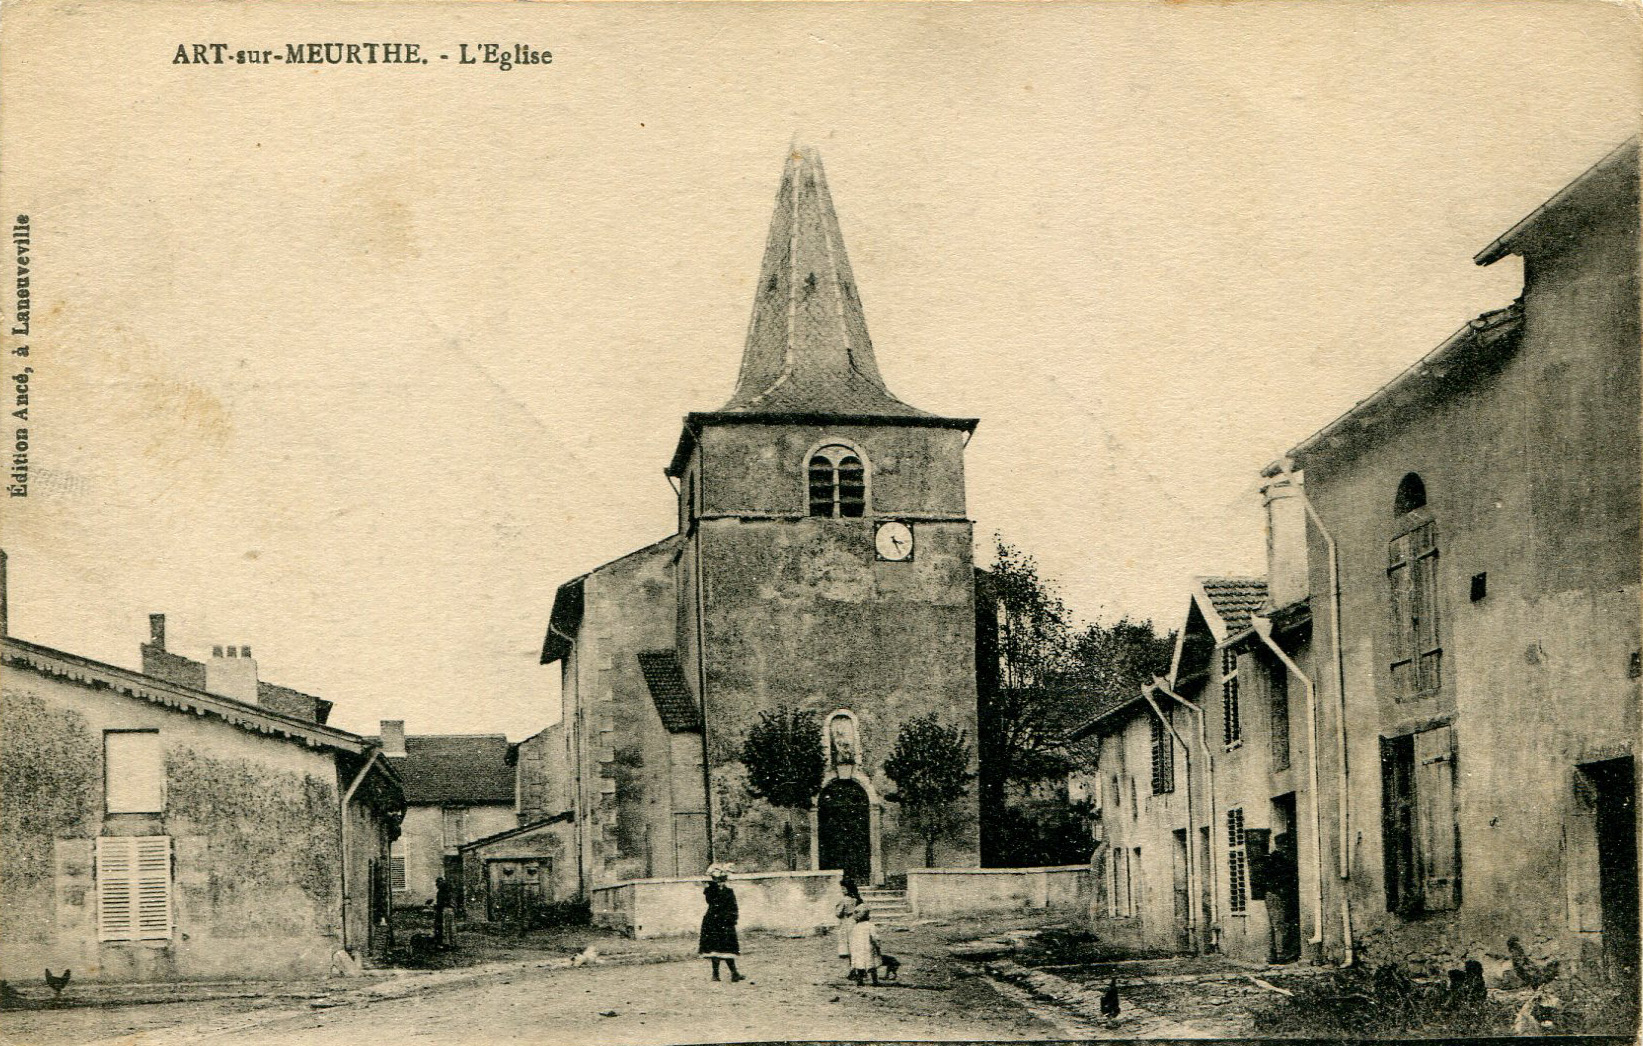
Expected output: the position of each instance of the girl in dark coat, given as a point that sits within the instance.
(718, 939)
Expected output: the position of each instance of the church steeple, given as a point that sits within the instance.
(807, 346)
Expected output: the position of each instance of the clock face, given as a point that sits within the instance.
(894, 541)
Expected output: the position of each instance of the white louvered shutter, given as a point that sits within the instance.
(134, 888)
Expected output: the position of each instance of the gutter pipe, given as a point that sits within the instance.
(576, 727)
(1161, 685)
(348, 797)
(1263, 629)
(1194, 874)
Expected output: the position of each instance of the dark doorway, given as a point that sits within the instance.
(1283, 882)
(844, 830)
(1615, 784)
(452, 869)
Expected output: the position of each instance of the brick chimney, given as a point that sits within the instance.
(393, 737)
(232, 676)
(156, 631)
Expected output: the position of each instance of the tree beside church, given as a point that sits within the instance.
(822, 563)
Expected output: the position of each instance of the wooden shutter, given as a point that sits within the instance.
(1398, 576)
(1436, 833)
(1257, 846)
(134, 888)
(1424, 587)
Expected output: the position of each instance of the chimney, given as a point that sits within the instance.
(1286, 551)
(156, 631)
(231, 676)
(393, 737)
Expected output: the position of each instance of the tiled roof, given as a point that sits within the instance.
(1235, 599)
(674, 701)
(456, 769)
(807, 346)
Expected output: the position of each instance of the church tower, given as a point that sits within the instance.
(824, 560)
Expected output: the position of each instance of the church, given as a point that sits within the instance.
(822, 562)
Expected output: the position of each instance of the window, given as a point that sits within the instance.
(838, 483)
(1231, 727)
(396, 866)
(1278, 712)
(1411, 495)
(1237, 864)
(1163, 758)
(133, 772)
(1422, 842)
(134, 888)
(1412, 577)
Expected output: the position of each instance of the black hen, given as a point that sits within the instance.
(57, 984)
(1467, 985)
(1109, 999)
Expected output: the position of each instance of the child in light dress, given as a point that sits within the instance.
(864, 948)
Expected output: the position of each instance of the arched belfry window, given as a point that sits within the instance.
(838, 482)
(1411, 495)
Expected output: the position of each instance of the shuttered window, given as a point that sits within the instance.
(396, 866)
(1163, 758)
(1232, 727)
(134, 888)
(1412, 576)
(837, 483)
(1237, 863)
(1422, 842)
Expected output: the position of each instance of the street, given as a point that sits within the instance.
(795, 989)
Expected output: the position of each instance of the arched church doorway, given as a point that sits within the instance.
(844, 837)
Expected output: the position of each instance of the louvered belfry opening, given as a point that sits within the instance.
(838, 483)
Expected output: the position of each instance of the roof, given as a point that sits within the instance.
(1561, 217)
(808, 357)
(1479, 346)
(1233, 600)
(807, 344)
(524, 829)
(456, 770)
(565, 619)
(668, 690)
(21, 655)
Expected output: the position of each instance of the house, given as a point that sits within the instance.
(1415, 738)
(822, 561)
(1201, 790)
(458, 788)
(1472, 560)
(159, 831)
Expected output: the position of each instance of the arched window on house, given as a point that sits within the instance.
(838, 483)
(1411, 495)
(1412, 576)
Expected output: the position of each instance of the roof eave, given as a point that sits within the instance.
(697, 420)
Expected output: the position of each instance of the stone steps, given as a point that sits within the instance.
(888, 906)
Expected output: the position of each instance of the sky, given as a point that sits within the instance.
(356, 365)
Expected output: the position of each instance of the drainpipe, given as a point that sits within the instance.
(1345, 846)
(1160, 684)
(1194, 878)
(576, 749)
(701, 645)
(1263, 628)
(348, 797)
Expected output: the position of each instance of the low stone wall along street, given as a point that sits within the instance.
(785, 902)
(939, 892)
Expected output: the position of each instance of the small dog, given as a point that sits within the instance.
(892, 966)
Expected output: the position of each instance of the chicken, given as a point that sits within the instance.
(1109, 999)
(57, 984)
(1467, 984)
(1532, 974)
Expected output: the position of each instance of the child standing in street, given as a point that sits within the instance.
(864, 948)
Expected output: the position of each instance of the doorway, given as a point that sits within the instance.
(1614, 788)
(1283, 882)
(1183, 892)
(844, 828)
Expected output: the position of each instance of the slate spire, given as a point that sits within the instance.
(807, 346)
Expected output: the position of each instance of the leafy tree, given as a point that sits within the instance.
(931, 767)
(783, 756)
(1038, 677)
